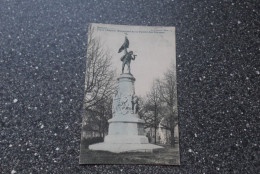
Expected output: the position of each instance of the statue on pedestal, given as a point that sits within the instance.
(126, 128)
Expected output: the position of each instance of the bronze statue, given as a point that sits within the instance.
(126, 59)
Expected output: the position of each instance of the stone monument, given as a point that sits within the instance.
(126, 129)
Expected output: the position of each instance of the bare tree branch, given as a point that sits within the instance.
(99, 83)
(160, 106)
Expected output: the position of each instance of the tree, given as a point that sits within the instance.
(99, 81)
(168, 95)
(151, 109)
(160, 105)
(99, 86)
(98, 116)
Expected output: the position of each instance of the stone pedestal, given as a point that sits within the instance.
(126, 129)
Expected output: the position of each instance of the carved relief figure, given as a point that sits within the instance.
(135, 105)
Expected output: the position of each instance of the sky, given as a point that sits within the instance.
(154, 46)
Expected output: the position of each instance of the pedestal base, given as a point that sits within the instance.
(126, 129)
(122, 147)
(126, 134)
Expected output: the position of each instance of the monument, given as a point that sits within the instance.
(126, 129)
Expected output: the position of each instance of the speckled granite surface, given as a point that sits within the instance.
(42, 49)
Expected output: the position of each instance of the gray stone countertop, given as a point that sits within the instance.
(42, 62)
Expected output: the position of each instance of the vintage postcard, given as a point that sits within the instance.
(130, 104)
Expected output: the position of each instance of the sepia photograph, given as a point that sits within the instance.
(130, 111)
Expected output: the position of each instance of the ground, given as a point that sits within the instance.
(166, 156)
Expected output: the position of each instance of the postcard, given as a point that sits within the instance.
(130, 111)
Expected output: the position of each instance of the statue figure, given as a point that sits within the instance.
(135, 105)
(126, 59)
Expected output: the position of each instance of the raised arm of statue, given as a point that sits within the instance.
(133, 57)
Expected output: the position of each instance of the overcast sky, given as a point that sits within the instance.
(154, 47)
